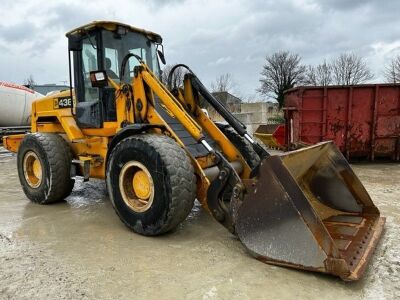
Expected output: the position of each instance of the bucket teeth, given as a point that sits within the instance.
(307, 209)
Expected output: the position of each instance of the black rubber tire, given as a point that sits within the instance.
(174, 182)
(241, 144)
(55, 157)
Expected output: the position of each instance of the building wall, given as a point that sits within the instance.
(251, 114)
(255, 114)
(232, 103)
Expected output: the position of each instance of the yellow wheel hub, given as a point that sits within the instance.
(32, 169)
(37, 169)
(141, 185)
(136, 186)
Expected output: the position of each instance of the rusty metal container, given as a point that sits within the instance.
(272, 135)
(362, 120)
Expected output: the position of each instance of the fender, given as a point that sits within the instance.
(127, 131)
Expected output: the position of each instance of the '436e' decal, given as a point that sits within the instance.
(63, 102)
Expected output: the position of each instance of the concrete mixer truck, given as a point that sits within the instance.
(16, 102)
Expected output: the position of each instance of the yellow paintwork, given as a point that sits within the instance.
(230, 152)
(32, 169)
(11, 143)
(111, 25)
(171, 103)
(268, 139)
(37, 168)
(140, 99)
(92, 143)
(189, 95)
(141, 185)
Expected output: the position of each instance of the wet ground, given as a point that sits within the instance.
(79, 249)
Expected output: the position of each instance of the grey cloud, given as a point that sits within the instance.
(157, 4)
(345, 4)
(205, 35)
(316, 34)
(18, 32)
(68, 16)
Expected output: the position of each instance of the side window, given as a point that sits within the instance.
(89, 62)
(111, 63)
(133, 62)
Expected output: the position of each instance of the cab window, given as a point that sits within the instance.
(89, 63)
(111, 63)
(118, 46)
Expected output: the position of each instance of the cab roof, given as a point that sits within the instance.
(111, 25)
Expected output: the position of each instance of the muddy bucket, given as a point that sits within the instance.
(307, 209)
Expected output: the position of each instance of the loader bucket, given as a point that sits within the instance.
(307, 209)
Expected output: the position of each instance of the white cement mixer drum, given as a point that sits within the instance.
(15, 104)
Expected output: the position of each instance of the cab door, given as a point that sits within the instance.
(88, 106)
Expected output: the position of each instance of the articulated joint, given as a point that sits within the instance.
(224, 196)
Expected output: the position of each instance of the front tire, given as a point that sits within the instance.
(241, 144)
(151, 183)
(44, 167)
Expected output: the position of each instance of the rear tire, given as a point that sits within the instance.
(44, 167)
(161, 207)
(241, 144)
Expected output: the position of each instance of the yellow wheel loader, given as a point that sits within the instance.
(158, 151)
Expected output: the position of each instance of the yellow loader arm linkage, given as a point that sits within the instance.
(212, 192)
(304, 209)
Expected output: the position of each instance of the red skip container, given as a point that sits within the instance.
(362, 120)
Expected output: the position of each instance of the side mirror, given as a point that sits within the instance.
(161, 56)
(74, 43)
(99, 78)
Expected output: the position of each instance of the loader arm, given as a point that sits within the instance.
(172, 104)
(303, 209)
(239, 127)
(226, 180)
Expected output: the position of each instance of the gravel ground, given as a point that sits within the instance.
(79, 249)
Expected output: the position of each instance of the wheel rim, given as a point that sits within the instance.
(136, 186)
(32, 169)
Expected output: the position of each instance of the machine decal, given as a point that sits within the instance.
(62, 102)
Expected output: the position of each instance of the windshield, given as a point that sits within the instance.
(116, 47)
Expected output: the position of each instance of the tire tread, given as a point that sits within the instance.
(241, 144)
(59, 156)
(179, 169)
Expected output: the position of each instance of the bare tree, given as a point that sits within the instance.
(30, 82)
(310, 76)
(349, 69)
(281, 71)
(319, 75)
(223, 83)
(392, 71)
(177, 77)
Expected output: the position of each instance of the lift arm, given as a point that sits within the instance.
(171, 103)
(239, 127)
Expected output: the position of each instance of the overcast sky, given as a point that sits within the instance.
(212, 37)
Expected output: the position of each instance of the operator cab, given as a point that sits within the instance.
(102, 46)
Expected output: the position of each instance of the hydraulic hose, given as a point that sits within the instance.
(238, 126)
